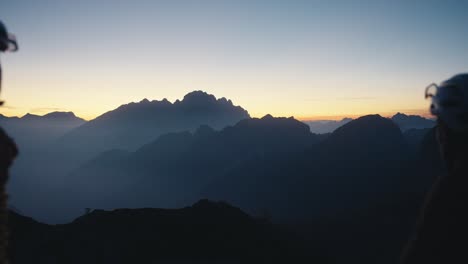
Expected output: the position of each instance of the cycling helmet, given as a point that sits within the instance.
(450, 102)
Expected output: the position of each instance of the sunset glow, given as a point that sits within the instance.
(308, 59)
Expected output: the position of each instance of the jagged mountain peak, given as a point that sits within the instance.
(132, 125)
(199, 97)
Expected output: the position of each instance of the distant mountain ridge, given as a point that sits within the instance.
(405, 122)
(31, 130)
(63, 116)
(363, 135)
(69, 116)
(132, 125)
(326, 126)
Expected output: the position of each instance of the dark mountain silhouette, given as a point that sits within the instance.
(132, 125)
(173, 170)
(406, 122)
(370, 143)
(370, 136)
(348, 189)
(34, 131)
(357, 187)
(206, 232)
(366, 153)
(326, 126)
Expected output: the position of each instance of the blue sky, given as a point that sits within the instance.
(307, 59)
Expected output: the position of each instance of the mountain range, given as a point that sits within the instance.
(68, 142)
(357, 186)
(405, 122)
(34, 131)
(354, 155)
(210, 136)
(174, 169)
(365, 179)
(132, 125)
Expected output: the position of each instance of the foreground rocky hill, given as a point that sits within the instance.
(206, 232)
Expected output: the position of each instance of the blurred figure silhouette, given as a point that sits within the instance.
(443, 228)
(8, 151)
(7, 43)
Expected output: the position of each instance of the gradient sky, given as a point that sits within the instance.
(308, 59)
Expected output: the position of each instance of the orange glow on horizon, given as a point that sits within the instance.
(16, 112)
(419, 112)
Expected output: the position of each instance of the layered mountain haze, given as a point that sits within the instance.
(34, 131)
(132, 125)
(173, 170)
(167, 154)
(68, 141)
(38, 165)
(368, 153)
(232, 132)
(326, 126)
(360, 178)
(406, 122)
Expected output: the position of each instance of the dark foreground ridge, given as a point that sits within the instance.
(206, 232)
